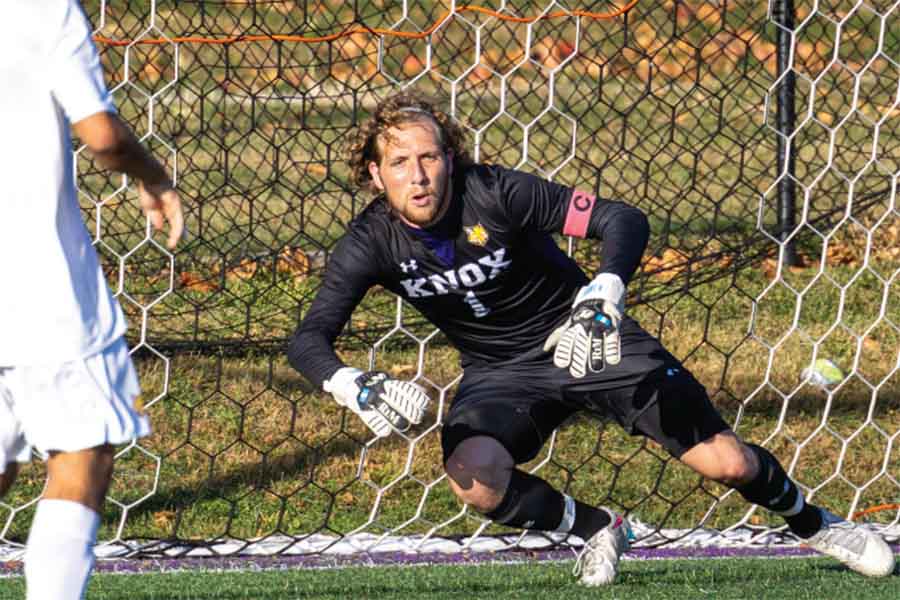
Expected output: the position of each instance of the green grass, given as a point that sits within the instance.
(760, 579)
(247, 449)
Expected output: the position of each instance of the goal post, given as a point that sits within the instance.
(773, 269)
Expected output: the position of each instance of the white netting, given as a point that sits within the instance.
(673, 107)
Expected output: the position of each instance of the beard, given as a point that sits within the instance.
(421, 215)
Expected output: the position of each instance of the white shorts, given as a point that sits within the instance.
(71, 406)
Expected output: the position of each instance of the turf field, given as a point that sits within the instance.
(757, 578)
(243, 449)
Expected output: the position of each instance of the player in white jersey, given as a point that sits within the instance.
(67, 384)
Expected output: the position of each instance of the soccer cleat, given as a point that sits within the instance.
(854, 545)
(598, 562)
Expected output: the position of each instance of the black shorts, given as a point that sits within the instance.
(521, 405)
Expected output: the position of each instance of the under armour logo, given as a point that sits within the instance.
(410, 265)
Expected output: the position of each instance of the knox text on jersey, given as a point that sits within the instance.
(490, 274)
(468, 275)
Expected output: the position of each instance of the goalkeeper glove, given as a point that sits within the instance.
(384, 404)
(589, 339)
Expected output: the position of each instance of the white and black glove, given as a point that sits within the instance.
(384, 404)
(589, 339)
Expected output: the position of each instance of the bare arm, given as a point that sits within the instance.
(117, 149)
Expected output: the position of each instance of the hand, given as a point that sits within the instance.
(161, 203)
(589, 339)
(384, 404)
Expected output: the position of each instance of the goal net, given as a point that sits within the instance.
(762, 141)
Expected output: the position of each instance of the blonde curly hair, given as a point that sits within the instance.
(404, 107)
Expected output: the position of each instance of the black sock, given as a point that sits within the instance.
(773, 489)
(589, 520)
(529, 503)
(807, 522)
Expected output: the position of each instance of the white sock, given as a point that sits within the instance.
(568, 518)
(60, 552)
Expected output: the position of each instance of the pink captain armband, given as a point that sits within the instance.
(578, 214)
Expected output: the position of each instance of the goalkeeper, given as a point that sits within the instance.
(470, 247)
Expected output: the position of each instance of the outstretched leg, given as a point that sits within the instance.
(679, 415)
(758, 476)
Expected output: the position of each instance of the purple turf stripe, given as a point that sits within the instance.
(320, 561)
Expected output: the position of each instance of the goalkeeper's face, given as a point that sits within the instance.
(414, 172)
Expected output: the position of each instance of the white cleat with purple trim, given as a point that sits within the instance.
(598, 562)
(860, 549)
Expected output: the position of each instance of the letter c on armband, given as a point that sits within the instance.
(578, 214)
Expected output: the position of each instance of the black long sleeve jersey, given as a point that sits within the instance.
(502, 287)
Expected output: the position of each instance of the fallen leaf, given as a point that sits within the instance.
(825, 117)
(770, 267)
(667, 266)
(196, 282)
(164, 518)
(479, 73)
(244, 270)
(562, 50)
(412, 66)
(293, 261)
(402, 370)
(646, 36)
(871, 345)
(762, 50)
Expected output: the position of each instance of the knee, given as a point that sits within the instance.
(724, 458)
(479, 469)
(739, 467)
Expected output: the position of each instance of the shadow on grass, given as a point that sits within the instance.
(298, 465)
